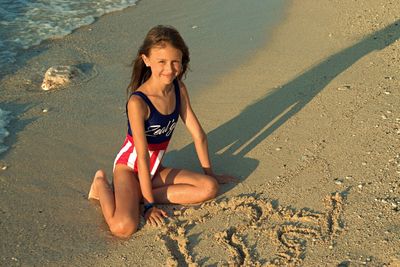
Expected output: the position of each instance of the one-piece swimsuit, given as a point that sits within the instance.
(158, 129)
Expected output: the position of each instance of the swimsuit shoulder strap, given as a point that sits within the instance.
(145, 99)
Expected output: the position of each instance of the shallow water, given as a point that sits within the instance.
(25, 23)
(4, 121)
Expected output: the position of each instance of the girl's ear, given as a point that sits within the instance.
(145, 60)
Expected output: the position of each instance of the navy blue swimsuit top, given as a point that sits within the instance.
(159, 127)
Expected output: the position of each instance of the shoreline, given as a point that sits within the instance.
(31, 34)
(308, 122)
(253, 31)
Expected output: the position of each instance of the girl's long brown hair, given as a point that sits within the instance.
(157, 36)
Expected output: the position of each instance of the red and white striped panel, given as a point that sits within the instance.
(128, 156)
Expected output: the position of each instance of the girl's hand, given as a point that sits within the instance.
(225, 179)
(155, 216)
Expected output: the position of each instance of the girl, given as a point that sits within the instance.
(157, 97)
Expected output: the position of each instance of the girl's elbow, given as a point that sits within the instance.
(200, 137)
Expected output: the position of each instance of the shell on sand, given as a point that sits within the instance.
(58, 76)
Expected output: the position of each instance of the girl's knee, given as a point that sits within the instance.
(100, 180)
(210, 188)
(124, 227)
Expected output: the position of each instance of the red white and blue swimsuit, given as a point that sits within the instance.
(158, 130)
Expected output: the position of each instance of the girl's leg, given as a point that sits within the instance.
(121, 207)
(183, 186)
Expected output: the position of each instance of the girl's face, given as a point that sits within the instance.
(165, 63)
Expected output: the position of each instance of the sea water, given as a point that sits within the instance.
(4, 121)
(25, 23)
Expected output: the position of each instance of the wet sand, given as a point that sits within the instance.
(306, 116)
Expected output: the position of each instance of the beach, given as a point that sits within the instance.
(300, 102)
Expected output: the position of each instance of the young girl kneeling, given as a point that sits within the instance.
(157, 98)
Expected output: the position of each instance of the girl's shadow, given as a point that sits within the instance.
(230, 142)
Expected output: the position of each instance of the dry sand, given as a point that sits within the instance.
(307, 118)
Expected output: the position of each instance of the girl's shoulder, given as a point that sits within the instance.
(139, 95)
(136, 100)
(183, 90)
(137, 103)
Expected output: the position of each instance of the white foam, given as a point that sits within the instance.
(25, 23)
(4, 121)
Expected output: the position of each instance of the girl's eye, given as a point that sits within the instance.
(162, 62)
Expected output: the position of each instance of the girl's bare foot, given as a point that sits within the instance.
(93, 192)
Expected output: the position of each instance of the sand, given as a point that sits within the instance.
(306, 116)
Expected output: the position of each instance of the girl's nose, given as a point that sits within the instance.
(169, 67)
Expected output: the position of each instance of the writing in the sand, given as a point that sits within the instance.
(155, 130)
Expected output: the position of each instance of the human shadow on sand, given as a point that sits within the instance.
(232, 141)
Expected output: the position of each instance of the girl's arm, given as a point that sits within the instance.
(137, 114)
(195, 129)
(198, 135)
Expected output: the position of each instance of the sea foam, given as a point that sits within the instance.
(25, 23)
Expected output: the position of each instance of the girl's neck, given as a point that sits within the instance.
(157, 88)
